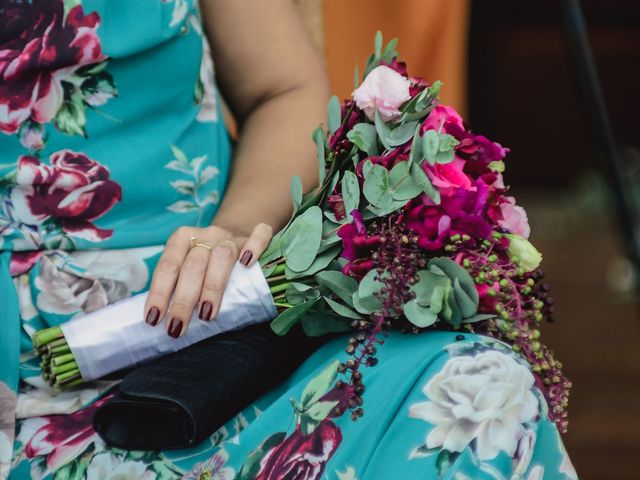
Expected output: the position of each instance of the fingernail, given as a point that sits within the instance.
(205, 311)
(153, 316)
(175, 327)
(246, 257)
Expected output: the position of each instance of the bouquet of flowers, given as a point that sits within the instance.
(411, 226)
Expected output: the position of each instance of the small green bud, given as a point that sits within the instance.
(538, 317)
(466, 238)
(535, 346)
(504, 314)
(455, 238)
(504, 283)
(491, 292)
(526, 290)
(466, 263)
(530, 282)
(493, 257)
(521, 271)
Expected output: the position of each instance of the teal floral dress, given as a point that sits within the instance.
(110, 139)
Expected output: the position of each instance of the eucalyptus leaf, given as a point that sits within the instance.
(319, 385)
(453, 271)
(298, 293)
(288, 318)
(334, 115)
(384, 132)
(316, 324)
(479, 317)
(392, 207)
(296, 193)
(321, 410)
(426, 284)
(421, 317)
(376, 187)
(301, 240)
(368, 289)
(320, 140)
(320, 263)
(350, 192)
(377, 43)
(437, 299)
(415, 154)
(402, 133)
(430, 145)
(365, 137)
(402, 185)
(423, 181)
(467, 306)
(341, 309)
(339, 284)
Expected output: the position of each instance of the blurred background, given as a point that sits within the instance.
(507, 68)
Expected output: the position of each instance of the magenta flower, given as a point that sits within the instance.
(60, 438)
(339, 137)
(449, 177)
(301, 457)
(74, 190)
(39, 52)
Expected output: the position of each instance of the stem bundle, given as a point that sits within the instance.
(58, 364)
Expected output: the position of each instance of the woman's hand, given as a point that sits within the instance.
(194, 269)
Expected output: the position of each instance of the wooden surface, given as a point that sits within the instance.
(597, 337)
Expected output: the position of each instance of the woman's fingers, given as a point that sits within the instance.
(223, 257)
(191, 278)
(166, 275)
(256, 244)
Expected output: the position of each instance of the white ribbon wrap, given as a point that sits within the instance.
(117, 337)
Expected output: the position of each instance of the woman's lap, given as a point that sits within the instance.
(438, 405)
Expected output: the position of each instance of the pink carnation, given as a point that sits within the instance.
(384, 90)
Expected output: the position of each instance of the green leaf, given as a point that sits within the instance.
(179, 155)
(316, 324)
(430, 145)
(434, 89)
(423, 181)
(466, 305)
(356, 77)
(447, 142)
(453, 271)
(321, 410)
(392, 207)
(301, 240)
(437, 299)
(402, 134)
(376, 187)
(402, 184)
(338, 283)
(444, 462)
(350, 192)
(273, 251)
(342, 310)
(421, 317)
(390, 52)
(383, 130)
(320, 140)
(427, 282)
(365, 137)
(334, 115)
(71, 117)
(369, 286)
(377, 43)
(319, 385)
(445, 157)
(296, 193)
(298, 293)
(415, 154)
(287, 319)
(251, 466)
(479, 317)
(323, 259)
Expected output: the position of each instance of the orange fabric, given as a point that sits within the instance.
(432, 39)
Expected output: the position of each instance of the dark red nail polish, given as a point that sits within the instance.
(246, 257)
(175, 327)
(153, 316)
(205, 311)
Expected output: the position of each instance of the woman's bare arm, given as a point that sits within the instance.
(274, 82)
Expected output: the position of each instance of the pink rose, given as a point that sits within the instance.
(445, 117)
(449, 177)
(300, 456)
(514, 218)
(60, 438)
(384, 90)
(74, 190)
(37, 53)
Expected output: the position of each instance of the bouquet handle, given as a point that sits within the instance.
(117, 337)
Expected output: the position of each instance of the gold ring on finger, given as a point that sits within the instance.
(195, 243)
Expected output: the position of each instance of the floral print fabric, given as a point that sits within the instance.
(104, 151)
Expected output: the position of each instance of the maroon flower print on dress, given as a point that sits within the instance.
(51, 66)
(301, 456)
(59, 438)
(71, 192)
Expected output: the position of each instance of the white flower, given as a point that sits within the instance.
(106, 466)
(88, 280)
(384, 90)
(486, 397)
